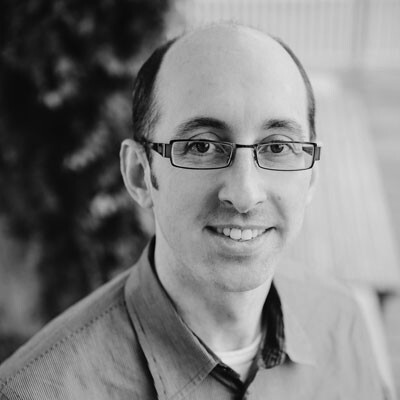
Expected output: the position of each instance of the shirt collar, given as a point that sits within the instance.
(297, 344)
(177, 360)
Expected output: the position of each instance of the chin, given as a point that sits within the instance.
(243, 278)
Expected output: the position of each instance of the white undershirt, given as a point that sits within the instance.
(240, 360)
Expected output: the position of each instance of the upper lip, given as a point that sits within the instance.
(241, 227)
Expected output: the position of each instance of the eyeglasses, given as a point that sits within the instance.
(210, 154)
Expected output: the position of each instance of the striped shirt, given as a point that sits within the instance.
(126, 341)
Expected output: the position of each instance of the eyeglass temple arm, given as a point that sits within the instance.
(315, 150)
(317, 153)
(164, 149)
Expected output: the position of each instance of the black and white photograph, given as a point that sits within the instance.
(200, 199)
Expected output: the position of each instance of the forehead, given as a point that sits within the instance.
(235, 74)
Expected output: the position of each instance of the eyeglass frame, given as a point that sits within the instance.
(165, 150)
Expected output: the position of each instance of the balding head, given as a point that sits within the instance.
(200, 48)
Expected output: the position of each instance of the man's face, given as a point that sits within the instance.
(226, 227)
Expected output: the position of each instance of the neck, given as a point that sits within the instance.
(230, 322)
(223, 320)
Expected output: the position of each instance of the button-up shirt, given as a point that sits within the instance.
(127, 341)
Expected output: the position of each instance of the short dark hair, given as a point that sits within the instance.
(309, 89)
(145, 112)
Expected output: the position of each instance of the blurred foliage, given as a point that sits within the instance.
(8, 344)
(66, 73)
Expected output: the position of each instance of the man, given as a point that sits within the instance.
(223, 154)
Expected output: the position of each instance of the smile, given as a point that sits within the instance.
(240, 234)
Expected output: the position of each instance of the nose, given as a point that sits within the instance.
(243, 186)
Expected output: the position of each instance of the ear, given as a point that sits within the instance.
(313, 183)
(134, 168)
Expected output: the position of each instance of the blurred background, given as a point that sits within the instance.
(66, 75)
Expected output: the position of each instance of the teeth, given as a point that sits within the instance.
(239, 234)
(236, 234)
(247, 234)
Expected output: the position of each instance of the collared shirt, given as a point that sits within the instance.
(126, 341)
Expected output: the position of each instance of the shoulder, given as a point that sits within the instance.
(77, 349)
(322, 297)
(86, 316)
(326, 310)
(328, 313)
(334, 325)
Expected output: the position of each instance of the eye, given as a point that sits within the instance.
(199, 147)
(277, 148)
(205, 147)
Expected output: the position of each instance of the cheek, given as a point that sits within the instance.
(179, 197)
(184, 188)
(297, 207)
(293, 198)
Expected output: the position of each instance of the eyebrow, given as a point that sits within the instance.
(192, 124)
(284, 124)
(199, 122)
